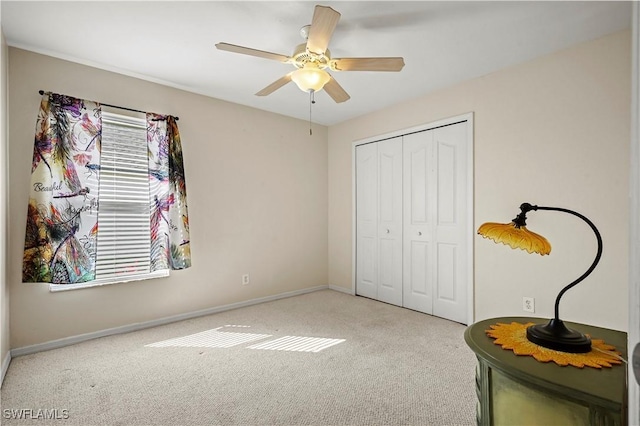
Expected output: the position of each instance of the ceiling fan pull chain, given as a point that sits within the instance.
(311, 102)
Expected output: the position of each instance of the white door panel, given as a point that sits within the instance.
(446, 174)
(434, 222)
(451, 230)
(416, 157)
(390, 221)
(367, 220)
(417, 280)
(446, 275)
(367, 269)
(418, 277)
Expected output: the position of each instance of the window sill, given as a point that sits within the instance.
(107, 281)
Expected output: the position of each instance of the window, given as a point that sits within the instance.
(122, 250)
(105, 204)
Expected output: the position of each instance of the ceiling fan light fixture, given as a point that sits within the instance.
(310, 78)
(312, 59)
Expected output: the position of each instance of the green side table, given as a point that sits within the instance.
(518, 390)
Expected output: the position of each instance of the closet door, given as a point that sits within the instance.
(450, 228)
(419, 205)
(435, 248)
(390, 221)
(367, 220)
(411, 221)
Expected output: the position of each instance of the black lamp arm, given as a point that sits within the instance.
(526, 207)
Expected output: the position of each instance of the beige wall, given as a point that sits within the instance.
(257, 194)
(554, 132)
(4, 290)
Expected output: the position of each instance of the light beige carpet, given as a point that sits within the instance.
(323, 358)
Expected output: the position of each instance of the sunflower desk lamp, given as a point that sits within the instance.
(553, 335)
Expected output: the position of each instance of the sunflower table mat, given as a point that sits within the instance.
(514, 337)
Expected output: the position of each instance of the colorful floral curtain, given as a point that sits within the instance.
(62, 218)
(63, 210)
(169, 218)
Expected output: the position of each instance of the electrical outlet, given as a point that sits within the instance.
(245, 279)
(528, 304)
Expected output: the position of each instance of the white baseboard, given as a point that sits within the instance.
(66, 341)
(341, 289)
(5, 366)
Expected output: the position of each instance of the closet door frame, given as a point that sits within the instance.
(468, 117)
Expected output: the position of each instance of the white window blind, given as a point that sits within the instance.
(123, 238)
(123, 212)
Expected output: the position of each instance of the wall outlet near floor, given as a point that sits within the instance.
(245, 279)
(528, 304)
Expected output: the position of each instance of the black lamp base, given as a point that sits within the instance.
(555, 335)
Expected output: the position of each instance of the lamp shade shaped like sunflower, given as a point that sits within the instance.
(516, 237)
(554, 335)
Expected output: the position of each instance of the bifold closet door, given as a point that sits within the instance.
(411, 230)
(379, 221)
(435, 229)
(367, 220)
(419, 205)
(390, 221)
(451, 229)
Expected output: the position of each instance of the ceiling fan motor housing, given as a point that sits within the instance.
(301, 57)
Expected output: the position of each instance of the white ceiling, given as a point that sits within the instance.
(172, 43)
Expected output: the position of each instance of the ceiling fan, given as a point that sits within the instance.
(312, 58)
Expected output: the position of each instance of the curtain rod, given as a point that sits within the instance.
(119, 107)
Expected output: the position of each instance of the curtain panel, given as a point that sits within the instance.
(168, 195)
(63, 214)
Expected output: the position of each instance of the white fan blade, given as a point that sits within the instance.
(337, 93)
(367, 64)
(323, 23)
(275, 85)
(252, 52)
